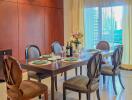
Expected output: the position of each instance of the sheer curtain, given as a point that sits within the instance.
(109, 20)
(127, 36)
(103, 21)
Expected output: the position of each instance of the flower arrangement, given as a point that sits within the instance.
(76, 38)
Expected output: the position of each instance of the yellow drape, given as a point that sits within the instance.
(78, 17)
(73, 18)
(127, 35)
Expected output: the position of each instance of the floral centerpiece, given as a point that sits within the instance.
(76, 39)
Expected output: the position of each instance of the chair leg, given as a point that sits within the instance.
(39, 80)
(65, 76)
(114, 85)
(56, 83)
(79, 95)
(76, 71)
(28, 77)
(98, 96)
(88, 96)
(104, 79)
(64, 93)
(46, 95)
(119, 76)
(80, 70)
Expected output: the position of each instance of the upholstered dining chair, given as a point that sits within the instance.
(18, 89)
(103, 45)
(86, 84)
(113, 69)
(57, 50)
(2, 54)
(33, 51)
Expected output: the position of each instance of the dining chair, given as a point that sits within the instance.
(57, 50)
(18, 89)
(113, 69)
(33, 51)
(86, 84)
(2, 53)
(103, 45)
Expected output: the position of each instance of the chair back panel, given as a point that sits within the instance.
(103, 45)
(32, 51)
(56, 47)
(12, 72)
(117, 57)
(94, 66)
(2, 53)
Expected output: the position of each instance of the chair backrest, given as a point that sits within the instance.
(12, 71)
(13, 77)
(94, 66)
(93, 69)
(103, 45)
(2, 54)
(117, 57)
(32, 51)
(56, 47)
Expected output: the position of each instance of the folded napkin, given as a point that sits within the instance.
(45, 56)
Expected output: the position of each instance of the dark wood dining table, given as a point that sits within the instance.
(58, 66)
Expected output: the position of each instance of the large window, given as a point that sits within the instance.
(103, 23)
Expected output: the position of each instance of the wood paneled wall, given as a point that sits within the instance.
(24, 22)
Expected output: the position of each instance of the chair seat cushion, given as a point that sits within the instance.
(32, 89)
(79, 83)
(107, 69)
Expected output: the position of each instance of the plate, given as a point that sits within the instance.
(39, 62)
(54, 58)
(71, 59)
(92, 51)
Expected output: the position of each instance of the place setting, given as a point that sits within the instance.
(39, 62)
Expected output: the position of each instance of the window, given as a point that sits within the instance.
(103, 23)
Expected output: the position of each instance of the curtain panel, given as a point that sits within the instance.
(126, 23)
(127, 36)
(78, 17)
(94, 3)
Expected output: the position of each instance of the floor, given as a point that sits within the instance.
(106, 91)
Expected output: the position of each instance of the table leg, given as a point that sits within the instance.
(52, 87)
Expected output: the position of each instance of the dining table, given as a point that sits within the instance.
(58, 66)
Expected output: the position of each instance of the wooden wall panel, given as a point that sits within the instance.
(60, 3)
(23, 23)
(46, 3)
(59, 35)
(9, 26)
(50, 24)
(33, 2)
(31, 27)
(10, 0)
